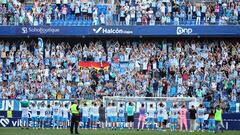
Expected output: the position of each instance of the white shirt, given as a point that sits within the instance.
(204, 9)
(137, 64)
(43, 111)
(121, 112)
(60, 111)
(65, 112)
(4, 1)
(95, 111)
(144, 65)
(48, 112)
(174, 112)
(108, 111)
(161, 112)
(102, 19)
(114, 111)
(35, 23)
(55, 110)
(65, 1)
(200, 112)
(69, 77)
(165, 115)
(90, 110)
(34, 111)
(58, 2)
(127, 19)
(132, 14)
(90, 10)
(151, 112)
(25, 112)
(180, 80)
(85, 111)
(48, 20)
(154, 65)
(46, 72)
(163, 9)
(77, 10)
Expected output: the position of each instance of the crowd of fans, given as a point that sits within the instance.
(120, 12)
(208, 70)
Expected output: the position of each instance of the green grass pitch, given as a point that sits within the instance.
(19, 131)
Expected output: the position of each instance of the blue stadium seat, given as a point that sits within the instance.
(65, 23)
(90, 22)
(52, 23)
(180, 22)
(60, 23)
(68, 17)
(70, 22)
(79, 23)
(233, 106)
(193, 22)
(84, 23)
(75, 23)
(171, 23)
(72, 17)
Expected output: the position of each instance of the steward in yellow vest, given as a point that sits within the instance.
(218, 114)
(218, 119)
(75, 116)
(9, 113)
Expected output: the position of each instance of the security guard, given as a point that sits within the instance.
(9, 113)
(218, 119)
(75, 116)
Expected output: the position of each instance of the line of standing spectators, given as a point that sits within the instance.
(208, 70)
(121, 12)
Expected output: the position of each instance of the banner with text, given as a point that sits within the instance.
(152, 31)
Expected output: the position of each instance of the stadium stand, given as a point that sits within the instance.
(121, 56)
(208, 70)
(122, 12)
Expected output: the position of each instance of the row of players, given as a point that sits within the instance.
(57, 116)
